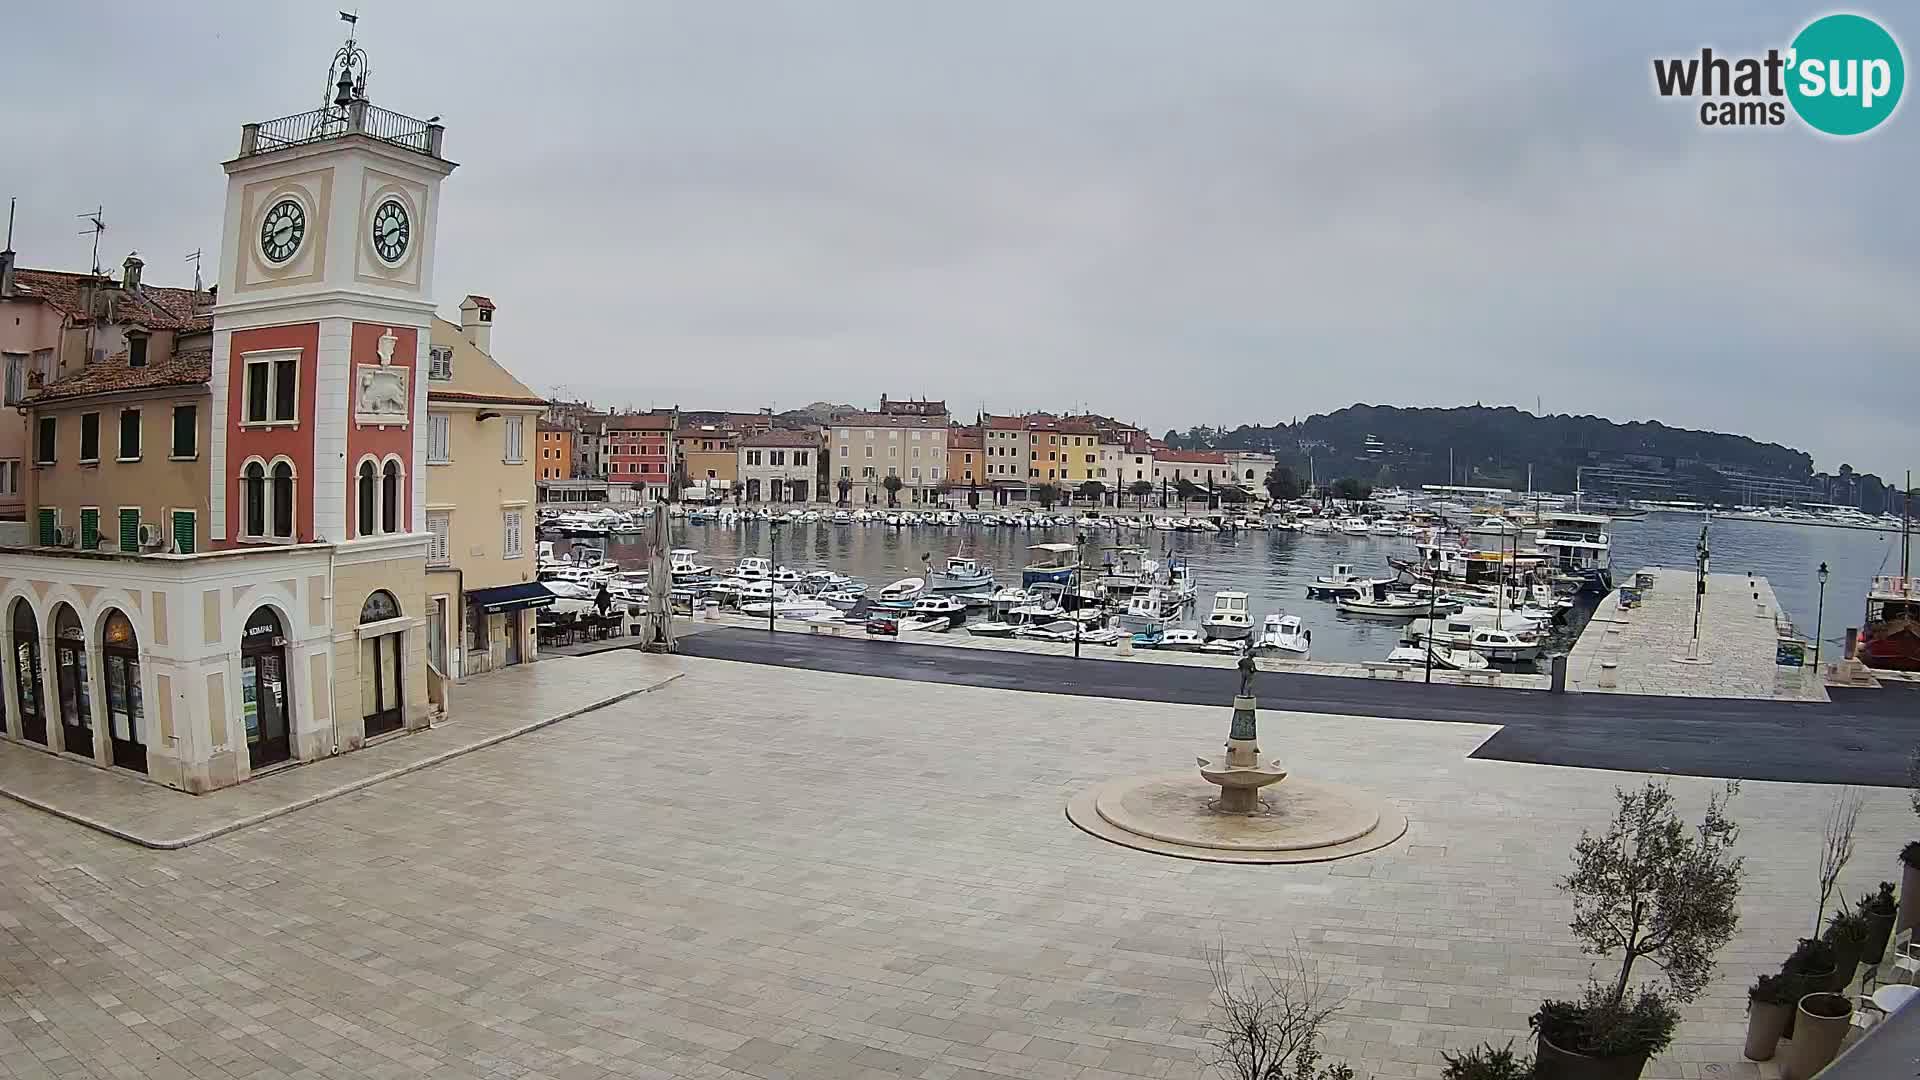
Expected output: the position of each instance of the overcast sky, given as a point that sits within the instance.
(1215, 213)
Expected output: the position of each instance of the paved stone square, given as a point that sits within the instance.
(768, 872)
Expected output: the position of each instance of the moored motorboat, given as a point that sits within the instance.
(960, 573)
(902, 593)
(1284, 633)
(1230, 618)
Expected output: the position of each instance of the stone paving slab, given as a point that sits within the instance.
(1737, 641)
(760, 872)
(484, 711)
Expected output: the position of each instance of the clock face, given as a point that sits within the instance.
(391, 231)
(282, 230)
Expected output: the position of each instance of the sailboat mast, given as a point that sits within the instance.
(1906, 520)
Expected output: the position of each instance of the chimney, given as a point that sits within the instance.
(130, 280)
(476, 321)
(6, 274)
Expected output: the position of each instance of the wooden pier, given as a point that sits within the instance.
(1646, 649)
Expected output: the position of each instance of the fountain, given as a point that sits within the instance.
(1300, 820)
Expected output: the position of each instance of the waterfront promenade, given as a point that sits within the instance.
(755, 872)
(1647, 645)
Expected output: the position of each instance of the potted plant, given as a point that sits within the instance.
(1485, 1063)
(1909, 886)
(1648, 886)
(1770, 1005)
(1811, 970)
(1823, 1021)
(1847, 933)
(1879, 909)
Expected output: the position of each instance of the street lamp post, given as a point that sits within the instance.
(1433, 594)
(1700, 556)
(1820, 618)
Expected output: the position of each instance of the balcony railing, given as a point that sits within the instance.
(358, 118)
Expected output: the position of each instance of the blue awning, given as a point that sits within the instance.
(511, 597)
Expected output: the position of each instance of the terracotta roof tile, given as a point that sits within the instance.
(113, 376)
(1191, 457)
(641, 422)
(151, 306)
(480, 301)
(783, 437)
(964, 438)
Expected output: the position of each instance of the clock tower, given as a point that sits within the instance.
(322, 325)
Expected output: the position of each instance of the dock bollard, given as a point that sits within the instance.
(1609, 675)
(1124, 646)
(1559, 675)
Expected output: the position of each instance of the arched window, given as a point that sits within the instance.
(253, 493)
(380, 667)
(126, 719)
(390, 498)
(380, 606)
(70, 665)
(283, 500)
(26, 672)
(366, 519)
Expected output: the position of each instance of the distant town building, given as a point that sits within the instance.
(778, 466)
(866, 448)
(638, 448)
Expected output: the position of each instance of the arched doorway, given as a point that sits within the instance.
(380, 666)
(26, 672)
(120, 663)
(264, 693)
(70, 670)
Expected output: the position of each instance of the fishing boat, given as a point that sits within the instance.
(684, 565)
(1579, 548)
(902, 593)
(1144, 614)
(959, 574)
(1051, 564)
(929, 606)
(1180, 639)
(1445, 659)
(1353, 526)
(1890, 636)
(1383, 604)
(1229, 618)
(1284, 633)
(1343, 582)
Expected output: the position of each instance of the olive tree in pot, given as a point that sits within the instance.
(1770, 1003)
(1878, 909)
(1647, 887)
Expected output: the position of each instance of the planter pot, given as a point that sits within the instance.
(1554, 1063)
(1879, 932)
(1817, 1038)
(1846, 960)
(1909, 897)
(1766, 1025)
(1811, 982)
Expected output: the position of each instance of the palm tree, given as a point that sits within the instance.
(893, 485)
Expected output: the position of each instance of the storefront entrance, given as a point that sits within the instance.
(70, 667)
(26, 673)
(380, 667)
(264, 692)
(120, 663)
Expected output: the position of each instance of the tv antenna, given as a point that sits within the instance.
(194, 258)
(96, 224)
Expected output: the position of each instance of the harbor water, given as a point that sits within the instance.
(1275, 567)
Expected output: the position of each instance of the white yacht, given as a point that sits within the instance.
(752, 568)
(1144, 614)
(1229, 618)
(1379, 602)
(1284, 633)
(928, 606)
(1181, 639)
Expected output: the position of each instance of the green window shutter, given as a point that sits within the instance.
(183, 531)
(89, 529)
(49, 520)
(129, 530)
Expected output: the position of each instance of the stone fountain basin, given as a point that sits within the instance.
(1299, 816)
(1269, 772)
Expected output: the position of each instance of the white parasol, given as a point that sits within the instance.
(659, 635)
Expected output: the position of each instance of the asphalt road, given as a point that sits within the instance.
(1861, 737)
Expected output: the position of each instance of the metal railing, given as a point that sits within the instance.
(360, 117)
